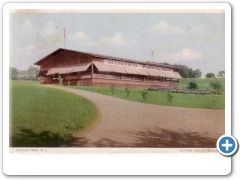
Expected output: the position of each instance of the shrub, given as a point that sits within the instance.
(127, 91)
(169, 97)
(192, 85)
(112, 89)
(144, 94)
(216, 85)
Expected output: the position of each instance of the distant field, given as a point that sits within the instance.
(46, 117)
(160, 98)
(203, 83)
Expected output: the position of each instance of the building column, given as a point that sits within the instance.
(92, 73)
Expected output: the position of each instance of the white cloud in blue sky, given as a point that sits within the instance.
(192, 39)
(163, 27)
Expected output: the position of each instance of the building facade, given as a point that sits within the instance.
(88, 69)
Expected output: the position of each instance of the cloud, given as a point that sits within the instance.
(48, 30)
(116, 39)
(197, 29)
(186, 54)
(163, 27)
(31, 47)
(81, 36)
(27, 25)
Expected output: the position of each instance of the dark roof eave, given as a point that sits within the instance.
(103, 57)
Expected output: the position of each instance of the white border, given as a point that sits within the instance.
(115, 164)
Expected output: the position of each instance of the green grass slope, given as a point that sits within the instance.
(42, 116)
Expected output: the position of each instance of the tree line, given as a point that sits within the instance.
(29, 74)
(187, 72)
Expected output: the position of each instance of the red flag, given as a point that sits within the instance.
(64, 32)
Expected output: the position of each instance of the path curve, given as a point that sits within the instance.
(126, 123)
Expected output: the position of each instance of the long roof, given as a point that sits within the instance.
(104, 57)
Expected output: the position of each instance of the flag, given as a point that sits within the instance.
(64, 32)
(152, 52)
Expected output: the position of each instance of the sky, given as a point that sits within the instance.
(192, 39)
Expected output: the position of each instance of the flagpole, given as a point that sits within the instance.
(152, 55)
(64, 37)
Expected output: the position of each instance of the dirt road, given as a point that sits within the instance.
(126, 123)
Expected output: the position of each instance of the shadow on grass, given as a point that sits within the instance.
(27, 138)
(149, 138)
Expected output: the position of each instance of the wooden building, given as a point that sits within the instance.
(88, 69)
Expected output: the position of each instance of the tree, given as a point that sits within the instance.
(197, 73)
(210, 75)
(13, 73)
(32, 73)
(221, 74)
(191, 73)
(186, 72)
(216, 85)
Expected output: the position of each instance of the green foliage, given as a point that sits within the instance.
(169, 97)
(60, 80)
(221, 74)
(29, 74)
(197, 73)
(13, 73)
(127, 91)
(216, 85)
(210, 75)
(187, 72)
(192, 85)
(32, 73)
(144, 94)
(112, 88)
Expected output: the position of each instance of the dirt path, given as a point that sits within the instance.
(133, 124)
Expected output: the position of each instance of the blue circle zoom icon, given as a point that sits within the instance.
(227, 145)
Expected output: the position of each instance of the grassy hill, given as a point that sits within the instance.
(45, 117)
(203, 83)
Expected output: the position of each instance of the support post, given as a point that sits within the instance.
(92, 73)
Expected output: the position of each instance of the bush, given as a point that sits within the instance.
(216, 85)
(127, 91)
(112, 89)
(144, 94)
(192, 85)
(169, 97)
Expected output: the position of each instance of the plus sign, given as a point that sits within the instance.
(227, 145)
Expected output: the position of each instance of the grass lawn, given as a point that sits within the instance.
(157, 97)
(46, 117)
(203, 83)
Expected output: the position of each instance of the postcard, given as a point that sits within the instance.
(125, 89)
